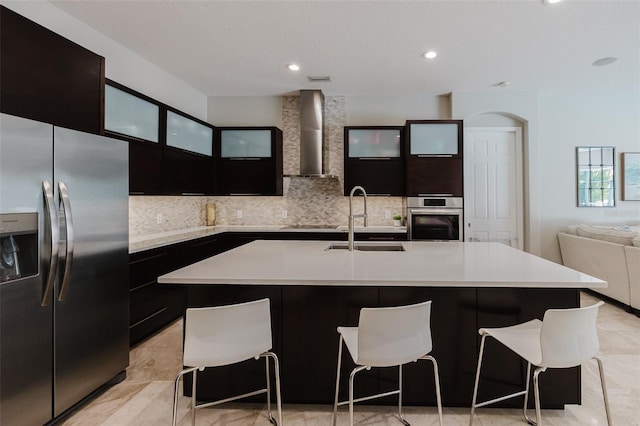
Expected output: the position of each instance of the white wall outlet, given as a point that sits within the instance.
(159, 219)
(387, 214)
(284, 214)
(239, 214)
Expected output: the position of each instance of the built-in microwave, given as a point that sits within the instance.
(435, 218)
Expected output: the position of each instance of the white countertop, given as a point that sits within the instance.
(161, 239)
(430, 264)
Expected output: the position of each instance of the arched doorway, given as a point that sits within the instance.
(494, 179)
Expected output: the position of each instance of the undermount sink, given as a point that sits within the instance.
(367, 246)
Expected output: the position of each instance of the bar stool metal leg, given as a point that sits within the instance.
(351, 400)
(436, 376)
(604, 391)
(526, 396)
(400, 413)
(276, 370)
(193, 398)
(475, 387)
(335, 402)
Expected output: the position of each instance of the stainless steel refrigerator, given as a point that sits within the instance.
(63, 268)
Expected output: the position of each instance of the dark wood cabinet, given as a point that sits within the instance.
(170, 153)
(46, 77)
(374, 159)
(145, 168)
(187, 173)
(434, 158)
(151, 305)
(434, 176)
(249, 160)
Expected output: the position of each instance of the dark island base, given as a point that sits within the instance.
(304, 322)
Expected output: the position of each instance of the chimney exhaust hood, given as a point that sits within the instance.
(311, 134)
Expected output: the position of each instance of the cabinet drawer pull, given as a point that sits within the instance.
(144, 259)
(159, 311)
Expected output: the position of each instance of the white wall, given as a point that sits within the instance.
(121, 64)
(585, 119)
(245, 111)
(395, 110)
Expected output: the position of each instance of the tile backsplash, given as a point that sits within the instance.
(306, 201)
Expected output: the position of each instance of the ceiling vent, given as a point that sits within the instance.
(319, 78)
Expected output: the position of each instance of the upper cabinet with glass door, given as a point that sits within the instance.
(434, 158)
(188, 165)
(250, 160)
(434, 138)
(373, 159)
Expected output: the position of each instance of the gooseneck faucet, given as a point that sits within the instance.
(353, 216)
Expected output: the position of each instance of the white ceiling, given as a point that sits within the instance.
(240, 48)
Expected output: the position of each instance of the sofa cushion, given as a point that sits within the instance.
(572, 230)
(636, 241)
(610, 235)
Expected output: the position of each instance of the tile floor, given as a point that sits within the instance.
(145, 397)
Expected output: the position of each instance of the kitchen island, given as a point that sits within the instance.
(313, 290)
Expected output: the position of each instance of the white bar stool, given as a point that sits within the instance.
(226, 335)
(387, 337)
(564, 338)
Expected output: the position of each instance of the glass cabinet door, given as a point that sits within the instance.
(245, 143)
(188, 134)
(434, 139)
(373, 143)
(130, 115)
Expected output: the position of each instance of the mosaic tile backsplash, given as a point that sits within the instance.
(306, 201)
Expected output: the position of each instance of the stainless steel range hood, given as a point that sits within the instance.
(311, 134)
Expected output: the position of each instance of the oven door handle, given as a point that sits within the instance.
(440, 211)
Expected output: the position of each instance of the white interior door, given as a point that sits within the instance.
(493, 208)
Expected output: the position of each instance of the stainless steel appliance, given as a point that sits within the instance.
(64, 279)
(435, 218)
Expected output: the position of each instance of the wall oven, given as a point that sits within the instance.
(435, 218)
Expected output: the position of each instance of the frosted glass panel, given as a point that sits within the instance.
(374, 142)
(245, 143)
(130, 115)
(434, 139)
(188, 134)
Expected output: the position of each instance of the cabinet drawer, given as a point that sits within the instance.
(144, 301)
(145, 267)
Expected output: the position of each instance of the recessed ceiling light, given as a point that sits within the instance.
(551, 1)
(293, 67)
(429, 54)
(604, 61)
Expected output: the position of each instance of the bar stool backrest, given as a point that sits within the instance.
(394, 336)
(569, 336)
(225, 335)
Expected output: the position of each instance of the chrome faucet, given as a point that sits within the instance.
(353, 216)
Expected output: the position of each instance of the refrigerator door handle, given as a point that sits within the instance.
(54, 233)
(66, 207)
